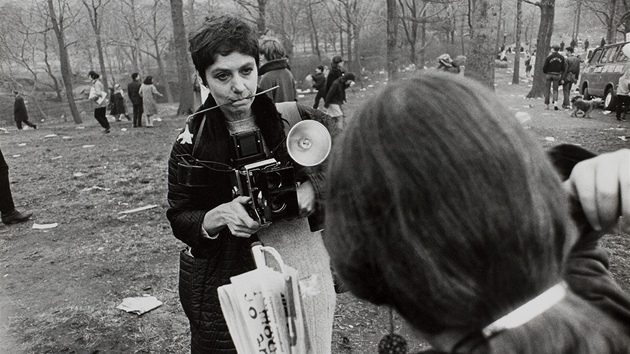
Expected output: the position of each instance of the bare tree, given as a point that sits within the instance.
(257, 10)
(181, 57)
(58, 21)
(392, 40)
(156, 32)
(545, 30)
(516, 76)
(94, 9)
(480, 58)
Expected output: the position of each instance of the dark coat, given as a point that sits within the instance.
(276, 72)
(555, 63)
(334, 73)
(133, 90)
(337, 92)
(118, 103)
(216, 260)
(319, 81)
(19, 109)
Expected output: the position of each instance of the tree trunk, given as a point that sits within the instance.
(543, 41)
(261, 22)
(611, 28)
(516, 79)
(392, 38)
(66, 71)
(314, 35)
(183, 71)
(480, 58)
(576, 24)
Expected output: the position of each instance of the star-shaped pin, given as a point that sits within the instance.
(185, 137)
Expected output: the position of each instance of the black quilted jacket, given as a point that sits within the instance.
(215, 261)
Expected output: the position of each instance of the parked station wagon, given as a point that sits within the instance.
(601, 74)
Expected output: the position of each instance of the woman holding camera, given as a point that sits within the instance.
(462, 225)
(217, 226)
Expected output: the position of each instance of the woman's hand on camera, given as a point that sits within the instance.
(602, 186)
(306, 199)
(234, 216)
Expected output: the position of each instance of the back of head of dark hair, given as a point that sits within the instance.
(134, 76)
(569, 49)
(93, 75)
(148, 80)
(320, 67)
(452, 217)
(220, 35)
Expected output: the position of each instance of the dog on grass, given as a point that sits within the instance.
(580, 104)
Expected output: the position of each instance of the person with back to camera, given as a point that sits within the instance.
(336, 97)
(461, 223)
(148, 92)
(99, 97)
(133, 90)
(554, 68)
(274, 70)
(319, 84)
(216, 225)
(118, 101)
(570, 77)
(623, 96)
(336, 71)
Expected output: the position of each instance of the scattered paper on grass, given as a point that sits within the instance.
(124, 129)
(139, 305)
(45, 226)
(17, 155)
(50, 136)
(624, 138)
(80, 127)
(66, 137)
(22, 144)
(606, 112)
(95, 188)
(4, 130)
(78, 174)
(56, 158)
(550, 138)
(523, 117)
(88, 146)
(138, 209)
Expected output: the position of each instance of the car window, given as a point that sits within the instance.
(595, 55)
(612, 53)
(621, 57)
(606, 55)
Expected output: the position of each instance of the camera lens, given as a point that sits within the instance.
(278, 204)
(274, 180)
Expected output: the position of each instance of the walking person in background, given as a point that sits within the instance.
(336, 97)
(570, 77)
(623, 96)
(20, 113)
(9, 214)
(274, 71)
(554, 69)
(603, 42)
(118, 104)
(99, 97)
(336, 71)
(586, 43)
(149, 92)
(133, 90)
(319, 84)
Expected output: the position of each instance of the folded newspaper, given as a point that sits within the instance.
(263, 310)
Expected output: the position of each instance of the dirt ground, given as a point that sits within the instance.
(59, 287)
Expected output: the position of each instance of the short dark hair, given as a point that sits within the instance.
(271, 48)
(134, 76)
(555, 47)
(221, 35)
(569, 49)
(320, 67)
(93, 75)
(148, 80)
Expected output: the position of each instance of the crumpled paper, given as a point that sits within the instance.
(139, 305)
